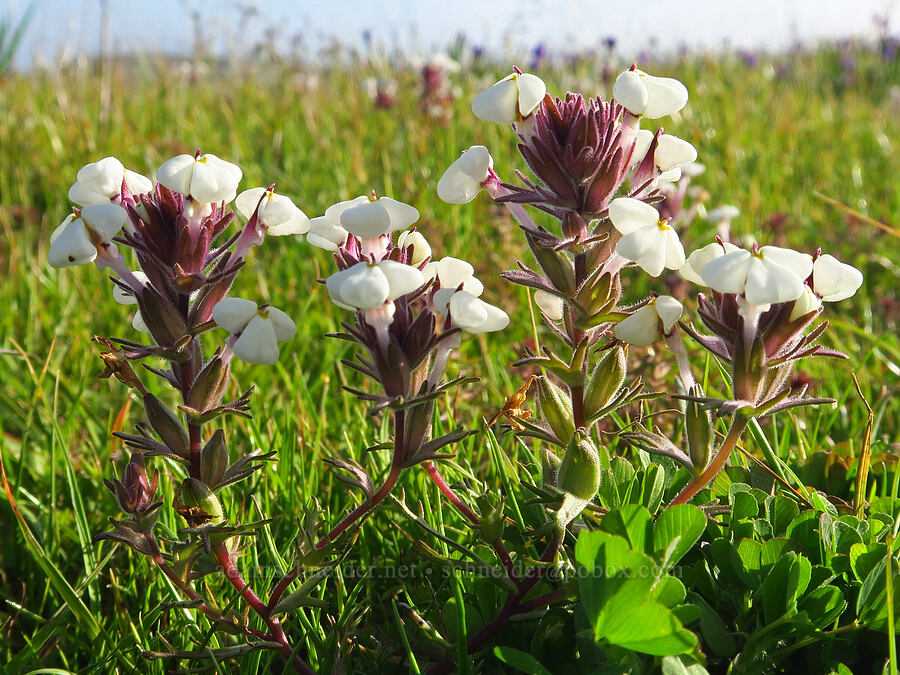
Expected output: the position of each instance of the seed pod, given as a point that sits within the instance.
(605, 381)
(167, 425)
(557, 409)
(214, 459)
(698, 427)
(579, 473)
(555, 265)
(163, 321)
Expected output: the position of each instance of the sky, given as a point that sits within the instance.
(67, 28)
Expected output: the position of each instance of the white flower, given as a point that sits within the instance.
(371, 219)
(673, 152)
(205, 179)
(514, 97)
(551, 305)
(767, 276)
(75, 241)
(648, 96)
(723, 214)
(806, 303)
(693, 169)
(451, 272)
(259, 329)
(834, 280)
(277, 213)
(642, 141)
(464, 179)
(642, 327)
(421, 250)
(697, 260)
(124, 297)
(326, 231)
(469, 312)
(647, 240)
(366, 286)
(100, 182)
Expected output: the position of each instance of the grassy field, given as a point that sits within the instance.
(776, 138)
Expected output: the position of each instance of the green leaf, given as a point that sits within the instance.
(715, 633)
(684, 521)
(803, 530)
(672, 665)
(633, 523)
(784, 584)
(520, 660)
(823, 606)
(864, 558)
(780, 512)
(650, 628)
(871, 604)
(669, 592)
(743, 505)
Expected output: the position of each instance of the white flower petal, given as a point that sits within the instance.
(127, 298)
(834, 280)
(233, 314)
(551, 305)
(665, 96)
(176, 173)
(363, 286)
(669, 311)
(672, 152)
(441, 300)
(693, 169)
(247, 201)
(628, 214)
(402, 215)
(768, 282)
(800, 264)
(282, 324)
(674, 249)
(366, 221)
(104, 219)
(257, 343)
(630, 92)
(647, 247)
(700, 258)
(723, 213)
(402, 278)
(103, 176)
(641, 328)
(209, 183)
(499, 103)
(138, 323)
(71, 245)
(641, 145)
(325, 233)
(474, 315)
(84, 195)
(806, 303)
(463, 179)
(138, 184)
(421, 249)
(531, 92)
(727, 273)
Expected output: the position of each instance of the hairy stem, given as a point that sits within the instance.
(701, 481)
(454, 499)
(357, 513)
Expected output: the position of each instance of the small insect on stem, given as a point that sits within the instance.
(512, 409)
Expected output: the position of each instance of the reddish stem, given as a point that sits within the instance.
(357, 513)
(513, 606)
(448, 492)
(276, 631)
(734, 435)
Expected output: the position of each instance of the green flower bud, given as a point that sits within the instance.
(698, 427)
(579, 473)
(605, 381)
(197, 504)
(209, 385)
(167, 425)
(557, 409)
(550, 463)
(214, 459)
